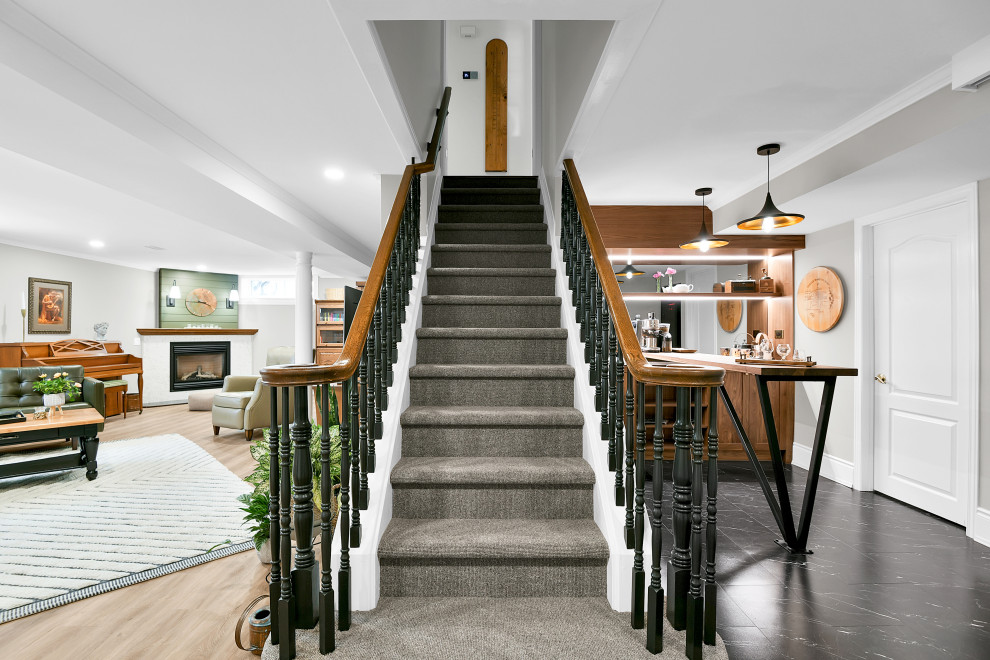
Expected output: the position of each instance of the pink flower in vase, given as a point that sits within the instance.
(670, 272)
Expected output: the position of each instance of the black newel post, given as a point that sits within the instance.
(679, 566)
(305, 574)
(654, 595)
(638, 572)
(344, 516)
(327, 615)
(695, 606)
(275, 532)
(711, 597)
(286, 602)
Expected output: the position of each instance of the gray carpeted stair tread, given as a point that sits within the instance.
(508, 233)
(504, 472)
(521, 214)
(490, 247)
(491, 272)
(494, 181)
(487, 255)
(445, 539)
(508, 301)
(487, 416)
(493, 371)
(489, 195)
(491, 333)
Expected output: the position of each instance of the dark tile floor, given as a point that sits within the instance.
(885, 580)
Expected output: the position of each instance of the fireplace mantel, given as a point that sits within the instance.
(197, 331)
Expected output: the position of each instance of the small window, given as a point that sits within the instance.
(267, 288)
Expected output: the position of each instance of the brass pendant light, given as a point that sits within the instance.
(704, 241)
(769, 217)
(629, 272)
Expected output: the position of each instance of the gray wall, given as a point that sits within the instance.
(984, 255)
(832, 248)
(414, 52)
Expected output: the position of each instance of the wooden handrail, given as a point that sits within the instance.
(652, 374)
(350, 356)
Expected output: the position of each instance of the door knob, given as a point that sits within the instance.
(880, 378)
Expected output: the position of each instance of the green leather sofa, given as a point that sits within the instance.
(17, 389)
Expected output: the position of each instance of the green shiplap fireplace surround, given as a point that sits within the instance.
(179, 316)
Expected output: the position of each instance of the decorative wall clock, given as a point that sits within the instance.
(201, 302)
(819, 299)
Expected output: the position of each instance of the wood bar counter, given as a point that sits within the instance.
(739, 404)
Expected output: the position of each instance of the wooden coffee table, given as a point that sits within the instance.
(81, 424)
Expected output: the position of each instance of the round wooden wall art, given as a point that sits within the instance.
(729, 314)
(820, 299)
(201, 302)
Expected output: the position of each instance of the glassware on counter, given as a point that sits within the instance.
(783, 350)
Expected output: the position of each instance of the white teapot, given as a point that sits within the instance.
(683, 288)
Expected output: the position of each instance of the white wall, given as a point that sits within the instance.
(983, 193)
(414, 53)
(466, 123)
(276, 327)
(832, 248)
(123, 297)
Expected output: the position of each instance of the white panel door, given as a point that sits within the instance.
(924, 274)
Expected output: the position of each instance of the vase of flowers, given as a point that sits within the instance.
(56, 389)
(658, 276)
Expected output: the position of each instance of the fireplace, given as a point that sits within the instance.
(198, 365)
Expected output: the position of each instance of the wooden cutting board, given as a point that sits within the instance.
(729, 314)
(820, 299)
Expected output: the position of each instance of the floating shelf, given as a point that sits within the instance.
(646, 295)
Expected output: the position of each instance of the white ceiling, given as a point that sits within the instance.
(225, 113)
(713, 80)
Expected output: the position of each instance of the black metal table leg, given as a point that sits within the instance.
(795, 540)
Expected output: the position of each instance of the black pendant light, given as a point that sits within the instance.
(629, 272)
(704, 241)
(769, 217)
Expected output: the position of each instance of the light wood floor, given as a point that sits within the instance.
(189, 614)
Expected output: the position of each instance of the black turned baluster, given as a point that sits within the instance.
(362, 495)
(275, 531)
(617, 385)
(369, 411)
(381, 332)
(654, 595)
(328, 641)
(638, 572)
(695, 605)
(679, 566)
(403, 258)
(604, 368)
(393, 331)
(306, 573)
(591, 277)
(355, 464)
(381, 392)
(711, 598)
(409, 254)
(344, 516)
(596, 362)
(286, 602)
(565, 218)
(630, 457)
(591, 314)
(613, 360)
(578, 275)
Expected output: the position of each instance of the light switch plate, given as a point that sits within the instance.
(137, 341)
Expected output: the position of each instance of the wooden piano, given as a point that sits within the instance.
(104, 360)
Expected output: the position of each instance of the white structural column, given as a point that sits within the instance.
(304, 308)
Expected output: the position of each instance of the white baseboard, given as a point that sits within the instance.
(981, 526)
(834, 468)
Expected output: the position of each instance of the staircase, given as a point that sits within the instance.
(491, 497)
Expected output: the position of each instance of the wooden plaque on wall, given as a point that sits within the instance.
(820, 299)
(729, 314)
(496, 97)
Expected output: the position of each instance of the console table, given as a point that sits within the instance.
(795, 537)
(81, 424)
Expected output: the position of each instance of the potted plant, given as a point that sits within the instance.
(256, 503)
(56, 388)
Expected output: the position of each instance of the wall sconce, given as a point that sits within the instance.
(232, 297)
(173, 293)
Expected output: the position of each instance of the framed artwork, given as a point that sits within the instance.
(49, 306)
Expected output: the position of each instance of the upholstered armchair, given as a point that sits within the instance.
(244, 403)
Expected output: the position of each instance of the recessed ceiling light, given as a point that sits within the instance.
(154, 247)
(201, 267)
(333, 173)
(96, 243)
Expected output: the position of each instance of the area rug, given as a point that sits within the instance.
(160, 504)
